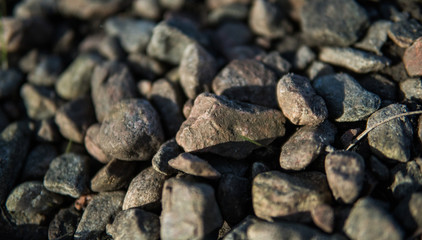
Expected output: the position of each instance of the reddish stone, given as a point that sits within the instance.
(412, 58)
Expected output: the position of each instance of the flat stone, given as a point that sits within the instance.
(319, 69)
(265, 19)
(10, 81)
(167, 151)
(323, 217)
(193, 165)
(114, 176)
(375, 37)
(412, 89)
(218, 125)
(412, 56)
(90, 9)
(305, 145)
(131, 131)
(407, 211)
(190, 211)
(68, 175)
(40, 103)
(38, 161)
(346, 100)
(277, 63)
(46, 72)
(393, 139)
(276, 194)
(368, 220)
(64, 224)
(240, 230)
(404, 33)
(382, 86)
(93, 146)
(406, 178)
(352, 59)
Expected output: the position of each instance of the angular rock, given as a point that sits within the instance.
(187, 107)
(319, 69)
(299, 102)
(303, 57)
(90, 9)
(356, 60)
(305, 145)
(368, 220)
(167, 151)
(189, 211)
(265, 18)
(323, 217)
(411, 89)
(412, 57)
(193, 165)
(149, 9)
(93, 146)
(240, 230)
(10, 81)
(46, 131)
(393, 139)
(408, 211)
(40, 103)
(131, 131)
(346, 100)
(68, 175)
(64, 224)
(404, 33)
(406, 178)
(38, 161)
(385, 88)
(114, 176)
(218, 125)
(46, 72)
(375, 37)
(277, 63)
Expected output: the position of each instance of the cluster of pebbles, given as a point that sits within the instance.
(213, 119)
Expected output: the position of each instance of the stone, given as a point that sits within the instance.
(46, 72)
(248, 81)
(46, 131)
(276, 194)
(114, 176)
(230, 12)
(305, 145)
(74, 118)
(190, 211)
(375, 37)
(323, 217)
(404, 33)
(197, 70)
(145, 190)
(102, 208)
(352, 59)
(68, 175)
(257, 168)
(213, 4)
(223, 230)
(277, 63)
(224, 39)
(243, 52)
(346, 100)
(412, 56)
(145, 67)
(299, 102)
(110, 48)
(187, 108)
(35, 8)
(411, 89)
(134, 35)
(382, 86)
(407, 211)
(111, 82)
(131, 131)
(333, 22)
(406, 178)
(10, 81)
(167, 151)
(319, 69)
(240, 230)
(393, 139)
(379, 169)
(218, 125)
(149, 9)
(74, 82)
(193, 165)
(345, 174)
(38, 161)
(265, 19)
(64, 224)
(303, 57)
(368, 220)
(40, 103)
(135, 224)
(31, 203)
(93, 146)
(90, 9)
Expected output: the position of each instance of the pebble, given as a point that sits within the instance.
(89, 9)
(31, 203)
(306, 145)
(411, 89)
(346, 100)
(248, 81)
(406, 178)
(379, 169)
(35, 8)
(167, 151)
(243, 52)
(404, 33)
(131, 131)
(145, 190)
(190, 211)
(352, 59)
(407, 212)
(299, 102)
(145, 67)
(102, 208)
(193, 165)
(149, 9)
(303, 57)
(68, 175)
(114, 176)
(38, 161)
(110, 48)
(412, 57)
(368, 220)
(218, 125)
(240, 230)
(46, 131)
(323, 217)
(393, 139)
(64, 224)
(230, 12)
(333, 22)
(40, 102)
(345, 175)
(265, 19)
(135, 224)
(375, 37)
(92, 145)
(225, 40)
(10, 81)
(213, 4)
(319, 69)
(276, 194)
(46, 72)
(382, 86)
(276, 63)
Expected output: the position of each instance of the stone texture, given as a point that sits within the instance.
(114, 176)
(193, 165)
(379, 169)
(404, 33)
(218, 125)
(406, 178)
(38, 161)
(407, 211)
(145, 67)
(411, 89)
(90, 9)
(167, 151)
(240, 230)
(230, 12)
(375, 37)
(319, 69)
(323, 217)
(46, 131)
(412, 57)
(93, 146)
(277, 63)
(382, 86)
(37, 8)
(303, 57)
(213, 4)
(46, 72)
(10, 80)
(225, 40)
(110, 48)
(64, 224)
(149, 9)
(265, 19)
(40, 103)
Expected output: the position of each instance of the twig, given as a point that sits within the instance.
(68, 147)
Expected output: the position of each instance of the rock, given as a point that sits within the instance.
(277, 63)
(114, 176)
(243, 52)
(375, 37)
(135, 224)
(305, 145)
(230, 12)
(74, 118)
(218, 125)
(90, 9)
(393, 139)
(319, 69)
(240, 230)
(35, 8)
(247, 80)
(64, 224)
(46, 72)
(187, 108)
(111, 82)
(356, 60)
(40, 103)
(46, 131)
(257, 168)
(193, 165)
(412, 56)
(213, 4)
(167, 151)
(223, 230)
(134, 35)
(299, 102)
(68, 175)
(411, 89)
(346, 100)
(110, 48)
(131, 131)
(98, 213)
(145, 67)
(406, 178)
(379, 169)
(38, 161)
(380, 85)
(31, 203)
(404, 33)
(189, 211)
(225, 40)
(368, 220)
(197, 69)
(407, 211)
(92, 145)
(10, 81)
(345, 174)
(303, 57)
(333, 22)
(149, 9)
(265, 19)
(145, 190)
(74, 82)
(323, 217)
(276, 194)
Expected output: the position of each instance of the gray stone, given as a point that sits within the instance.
(303, 57)
(64, 224)
(352, 59)
(35, 8)
(404, 33)
(411, 58)
(379, 169)
(46, 131)
(393, 139)
(93, 146)
(225, 166)
(110, 48)
(167, 151)
(10, 81)
(243, 52)
(234, 11)
(145, 67)
(406, 178)
(114, 176)
(190, 211)
(68, 175)
(90, 9)
(218, 125)
(38, 161)
(40, 103)
(46, 72)
(407, 211)
(412, 89)
(277, 63)
(240, 230)
(193, 165)
(213, 4)
(149, 9)
(257, 168)
(323, 217)
(265, 19)
(375, 37)
(385, 88)
(368, 220)
(225, 40)
(319, 69)
(346, 100)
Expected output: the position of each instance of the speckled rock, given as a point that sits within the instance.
(382, 86)
(38, 161)
(412, 56)
(323, 217)
(90, 9)
(193, 165)
(406, 178)
(412, 89)
(375, 37)
(40, 103)
(405, 32)
(93, 146)
(303, 57)
(114, 176)
(10, 80)
(64, 224)
(265, 19)
(277, 63)
(167, 151)
(319, 69)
